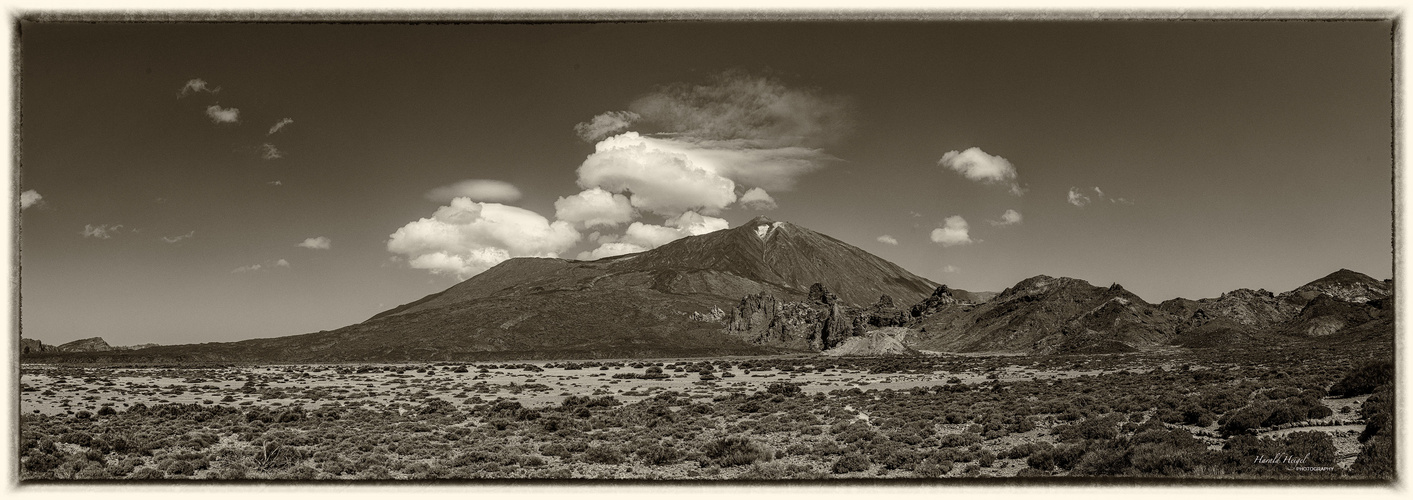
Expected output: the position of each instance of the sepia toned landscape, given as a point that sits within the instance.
(478, 252)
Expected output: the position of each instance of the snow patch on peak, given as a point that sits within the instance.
(763, 230)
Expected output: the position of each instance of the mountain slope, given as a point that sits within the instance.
(636, 305)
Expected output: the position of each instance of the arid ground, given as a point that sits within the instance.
(1167, 413)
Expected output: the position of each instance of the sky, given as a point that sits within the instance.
(187, 183)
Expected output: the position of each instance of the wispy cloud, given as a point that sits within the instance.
(265, 266)
(196, 85)
(317, 243)
(275, 183)
(1008, 218)
(30, 198)
(1077, 198)
(174, 239)
(954, 231)
(887, 240)
(279, 125)
(270, 152)
(222, 115)
(604, 125)
(482, 190)
(950, 269)
(101, 231)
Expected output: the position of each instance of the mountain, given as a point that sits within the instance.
(1045, 315)
(95, 344)
(662, 302)
(770, 287)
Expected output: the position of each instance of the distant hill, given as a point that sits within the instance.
(1044, 315)
(770, 287)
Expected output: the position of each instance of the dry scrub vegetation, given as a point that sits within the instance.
(1196, 414)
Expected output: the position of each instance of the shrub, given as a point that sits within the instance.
(659, 455)
(850, 462)
(1363, 380)
(735, 450)
(603, 455)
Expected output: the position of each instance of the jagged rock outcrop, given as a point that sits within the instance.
(818, 323)
(28, 346)
(882, 314)
(95, 344)
(940, 298)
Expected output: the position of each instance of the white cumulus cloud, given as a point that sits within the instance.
(641, 237)
(482, 190)
(887, 240)
(661, 181)
(594, 207)
(1077, 198)
(976, 165)
(467, 237)
(605, 124)
(30, 198)
(222, 115)
(1008, 218)
(953, 232)
(758, 199)
(316, 243)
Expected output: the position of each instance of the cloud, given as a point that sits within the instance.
(641, 237)
(610, 249)
(196, 85)
(746, 111)
(594, 207)
(101, 231)
(693, 224)
(661, 181)
(1008, 218)
(174, 239)
(887, 240)
(467, 237)
(263, 266)
(222, 115)
(30, 198)
(976, 165)
(1098, 191)
(246, 269)
(317, 243)
(950, 269)
(275, 183)
(953, 232)
(279, 125)
(1121, 201)
(604, 125)
(758, 199)
(699, 142)
(269, 152)
(482, 190)
(1077, 198)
